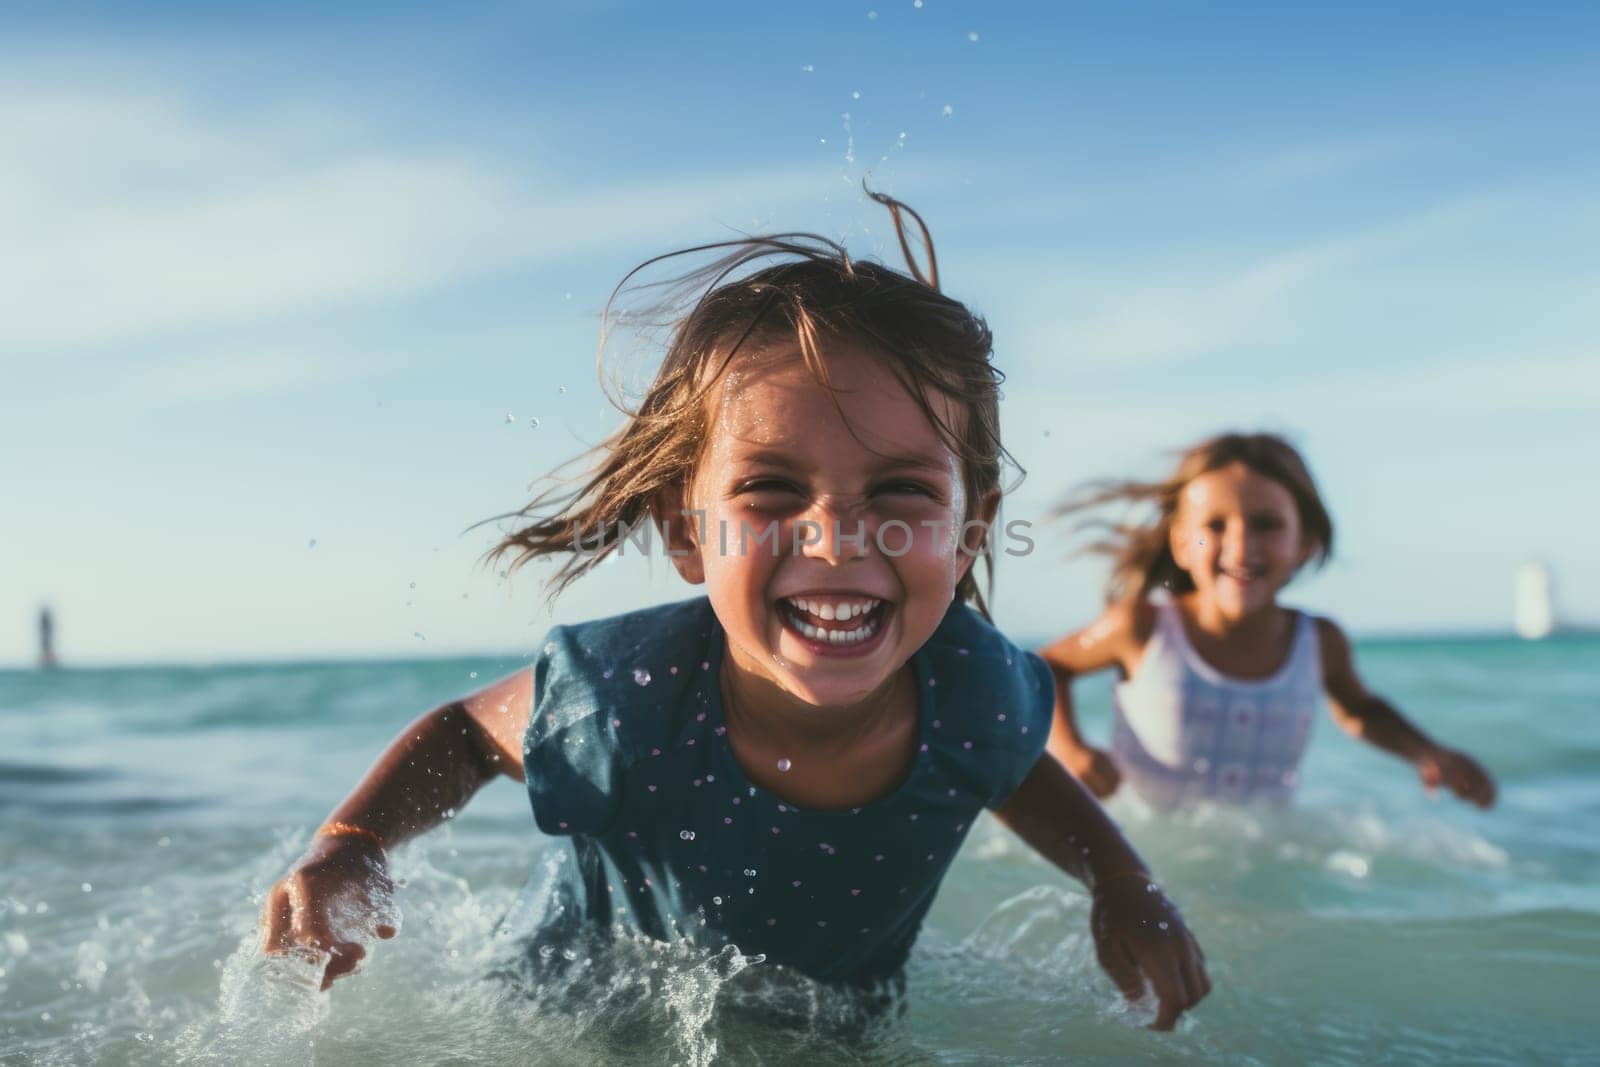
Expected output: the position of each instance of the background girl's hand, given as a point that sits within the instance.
(1139, 936)
(1459, 773)
(339, 889)
(1094, 768)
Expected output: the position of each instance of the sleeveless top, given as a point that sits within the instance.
(1184, 732)
(626, 755)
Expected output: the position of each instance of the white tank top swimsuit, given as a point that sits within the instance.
(1185, 732)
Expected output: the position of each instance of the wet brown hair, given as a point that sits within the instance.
(1142, 554)
(813, 292)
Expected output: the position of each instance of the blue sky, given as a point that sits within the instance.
(278, 274)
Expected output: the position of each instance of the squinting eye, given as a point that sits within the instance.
(906, 487)
(767, 485)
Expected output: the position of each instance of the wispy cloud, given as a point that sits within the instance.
(1313, 161)
(221, 376)
(137, 215)
(1204, 308)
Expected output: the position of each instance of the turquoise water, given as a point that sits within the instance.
(147, 810)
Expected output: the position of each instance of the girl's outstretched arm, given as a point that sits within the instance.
(1374, 720)
(1114, 640)
(426, 774)
(1138, 932)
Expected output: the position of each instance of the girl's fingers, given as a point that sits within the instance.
(1116, 962)
(310, 925)
(275, 920)
(1170, 991)
(344, 958)
(1200, 968)
(1194, 972)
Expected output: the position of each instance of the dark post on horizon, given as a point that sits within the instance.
(47, 639)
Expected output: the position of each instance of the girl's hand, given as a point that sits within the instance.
(1094, 768)
(1457, 772)
(1139, 936)
(340, 888)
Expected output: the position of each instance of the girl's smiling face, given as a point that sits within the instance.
(1238, 535)
(831, 542)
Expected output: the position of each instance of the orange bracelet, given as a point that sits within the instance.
(350, 829)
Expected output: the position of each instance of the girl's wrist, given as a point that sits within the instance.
(349, 831)
(1135, 878)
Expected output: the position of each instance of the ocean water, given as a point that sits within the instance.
(146, 811)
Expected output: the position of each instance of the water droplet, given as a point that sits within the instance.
(948, 111)
(87, 888)
(641, 676)
(808, 68)
(973, 36)
(716, 900)
(687, 835)
(472, 674)
(163, 841)
(510, 417)
(562, 390)
(1163, 924)
(418, 635)
(784, 765)
(856, 95)
(872, 14)
(916, 3)
(533, 423)
(311, 543)
(749, 872)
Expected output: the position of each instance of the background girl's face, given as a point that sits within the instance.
(786, 463)
(1238, 535)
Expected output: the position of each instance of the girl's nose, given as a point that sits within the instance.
(1237, 541)
(833, 529)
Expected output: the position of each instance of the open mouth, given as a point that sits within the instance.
(834, 621)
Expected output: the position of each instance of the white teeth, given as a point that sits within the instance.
(836, 637)
(833, 611)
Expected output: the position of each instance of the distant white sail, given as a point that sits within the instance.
(1536, 615)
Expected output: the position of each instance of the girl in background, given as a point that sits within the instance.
(1220, 683)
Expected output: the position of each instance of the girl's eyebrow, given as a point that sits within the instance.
(909, 461)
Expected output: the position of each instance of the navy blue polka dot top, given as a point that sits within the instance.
(627, 756)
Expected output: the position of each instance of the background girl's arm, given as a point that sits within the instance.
(1138, 932)
(1114, 639)
(426, 774)
(1374, 720)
